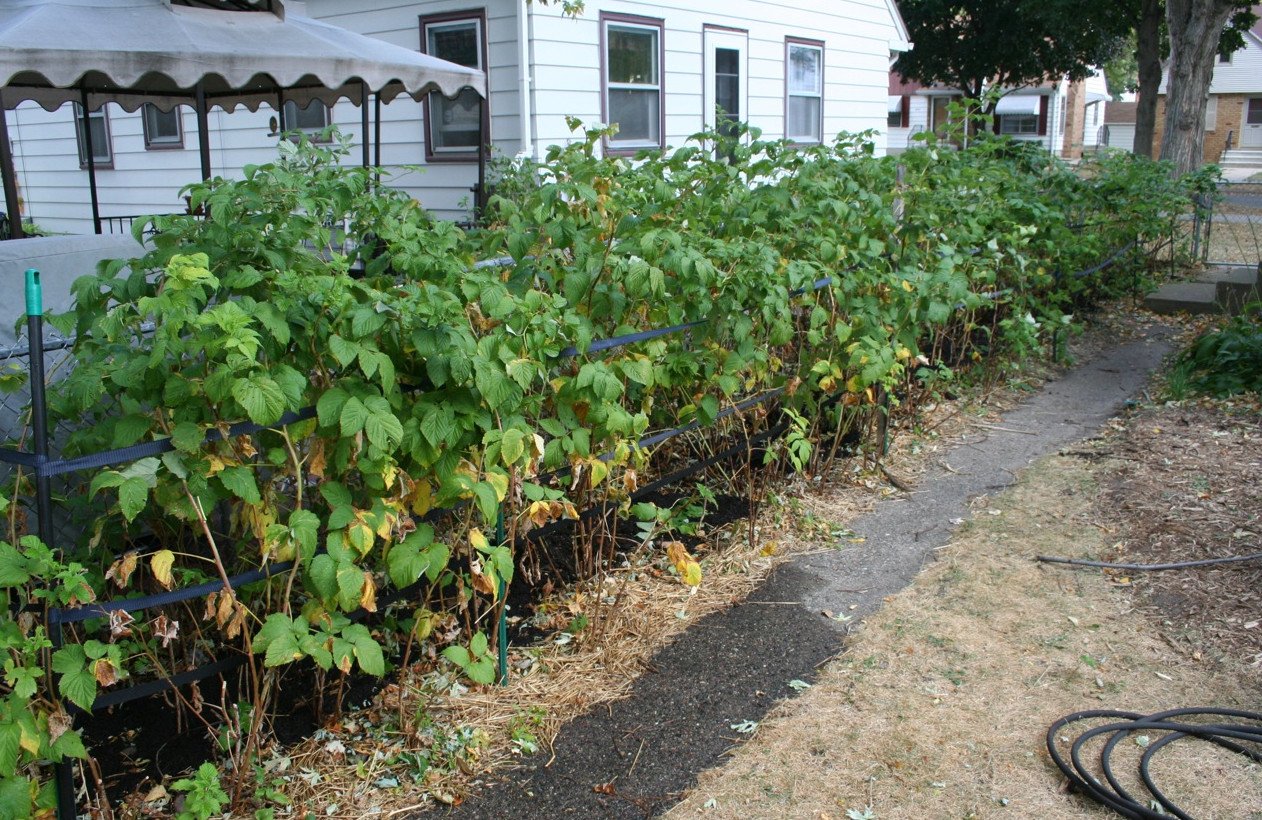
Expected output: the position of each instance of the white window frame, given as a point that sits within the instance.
(429, 26)
(657, 28)
(153, 142)
(790, 93)
(102, 155)
(733, 40)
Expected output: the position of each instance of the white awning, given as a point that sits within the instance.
(896, 104)
(136, 51)
(1018, 104)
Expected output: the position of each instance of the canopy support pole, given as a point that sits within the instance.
(203, 131)
(91, 155)
(480, 198)
(12, 206)
(363, 122)
(376, 130)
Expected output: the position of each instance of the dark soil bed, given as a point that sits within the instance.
(138, 744)
(1190, 488)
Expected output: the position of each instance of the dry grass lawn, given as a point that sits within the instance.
(939, 707)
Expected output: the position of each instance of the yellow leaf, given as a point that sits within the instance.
(907, 286)
(360, 536)
(28, 740)
(368, 593)
(768, 549)
(540, 513)
(160, 564)
(599, 471)
(217, 465)
(386, 526)
(691, 574)
(478, 540)
(854, 385)
(687, 567)
(388, 474)
(425, 621)
(422, 498)
(499, 482)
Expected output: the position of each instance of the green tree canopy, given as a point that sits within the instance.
(974, 44)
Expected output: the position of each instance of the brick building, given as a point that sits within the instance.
(1233, 111)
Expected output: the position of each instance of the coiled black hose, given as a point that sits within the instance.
(1225, 734)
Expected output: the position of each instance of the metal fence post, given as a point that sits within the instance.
(63, 772)
(1196, 226)
(502, 636)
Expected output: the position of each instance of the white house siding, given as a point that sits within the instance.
(857, 36)
(565, 71)
(1120, 135)
(442, 187)
(1243, 75)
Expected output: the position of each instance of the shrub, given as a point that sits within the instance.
(450, 398)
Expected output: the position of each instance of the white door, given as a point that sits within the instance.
(1251, 128)
(726, 78)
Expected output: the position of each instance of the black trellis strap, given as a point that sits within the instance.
(1113, 257)
(123, 455)
(153, 687)
(103, 609)
(630, 338)
(740, 407)
(696, 467)
(645, 335)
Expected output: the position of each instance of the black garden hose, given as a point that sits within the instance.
(1245, 727)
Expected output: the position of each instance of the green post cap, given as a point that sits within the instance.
(34, 294)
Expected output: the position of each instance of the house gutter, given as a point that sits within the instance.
(523, 79)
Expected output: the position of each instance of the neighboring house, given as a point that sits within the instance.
(1045, 114)
(1119, 125)
(1233, 110)
(804, 71)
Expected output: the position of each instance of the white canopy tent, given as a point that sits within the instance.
(204, 53)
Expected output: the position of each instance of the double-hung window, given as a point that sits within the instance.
(311, 119)
(632, 78)
(453, 125)
(804, 90)
(96, 125)
(1019, 124)
(163, 129)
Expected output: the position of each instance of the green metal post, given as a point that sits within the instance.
(63, 774)
(502, 640)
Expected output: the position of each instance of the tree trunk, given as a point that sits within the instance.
(1195, 26)
(1148, 57)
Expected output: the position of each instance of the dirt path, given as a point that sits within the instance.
(722, 676)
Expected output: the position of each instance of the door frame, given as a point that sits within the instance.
(1252, 130)
(714, 37)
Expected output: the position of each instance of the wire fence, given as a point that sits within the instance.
(1226, 228)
